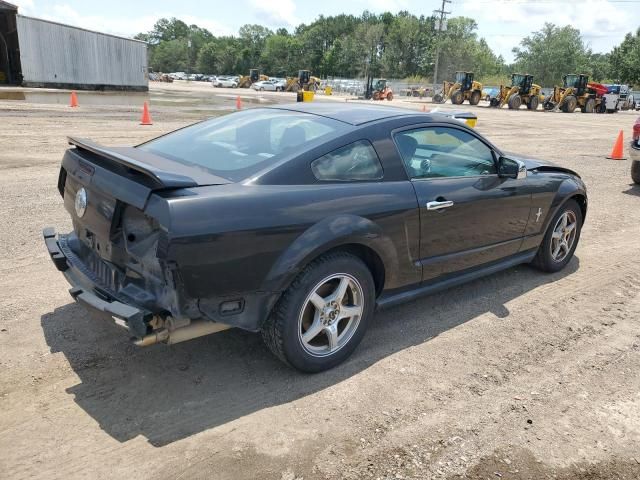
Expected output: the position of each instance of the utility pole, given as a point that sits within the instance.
(443, 17)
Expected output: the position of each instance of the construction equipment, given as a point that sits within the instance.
(245, 81)
(413, 91)
(576, 91)
(463, 88)
(304, 81)
(382, 90)
(522, 90)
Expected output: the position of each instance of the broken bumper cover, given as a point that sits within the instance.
(86, 291)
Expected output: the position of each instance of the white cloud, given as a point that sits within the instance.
(276, 13)
(603, 24)
(123, 26)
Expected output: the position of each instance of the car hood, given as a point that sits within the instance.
(539, 164)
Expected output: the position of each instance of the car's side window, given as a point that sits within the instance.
(357, 161)
(434, 152)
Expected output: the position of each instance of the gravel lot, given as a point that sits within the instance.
(519, 375)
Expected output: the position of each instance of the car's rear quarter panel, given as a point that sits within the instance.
(243, 238)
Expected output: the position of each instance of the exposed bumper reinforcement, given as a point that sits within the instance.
(83, 290)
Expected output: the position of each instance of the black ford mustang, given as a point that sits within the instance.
(298, 221)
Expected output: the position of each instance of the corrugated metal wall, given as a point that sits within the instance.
(52, 54)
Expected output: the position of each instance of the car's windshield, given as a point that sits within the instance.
(239, 145)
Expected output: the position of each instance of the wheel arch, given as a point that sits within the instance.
(357, 235)
(570, 189)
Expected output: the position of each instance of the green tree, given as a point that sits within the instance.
(625, 60)
(551, 53)
(170, 56)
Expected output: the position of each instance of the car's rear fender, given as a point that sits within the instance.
(329, 234)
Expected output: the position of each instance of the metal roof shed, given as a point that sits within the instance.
(54, 55)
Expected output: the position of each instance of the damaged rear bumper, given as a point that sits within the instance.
(86, 291)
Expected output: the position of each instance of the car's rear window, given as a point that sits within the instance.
(239, 145)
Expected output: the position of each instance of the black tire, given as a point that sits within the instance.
(281, 331)
(438, 98)
(548, 106)
(589, 106)
(635, 172)
(389, 96)
(569, 105)
(474, 99)
(534, 101)
(457, 97)
(544, 260)
(494, 102)
(515, 102)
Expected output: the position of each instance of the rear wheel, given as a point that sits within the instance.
(389, 96)
(494, 102)
(438, 98)
(457, 97)
(475, 97)
(534, 101)
(515, 102)
(561, 239)
(635, 172)
(322, 317)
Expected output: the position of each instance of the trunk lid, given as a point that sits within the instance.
(117, 183)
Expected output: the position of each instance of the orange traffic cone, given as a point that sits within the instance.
(146, 116)
(618, 148)
(74, 99)
(238, 103)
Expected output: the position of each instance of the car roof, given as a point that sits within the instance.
(351, 113)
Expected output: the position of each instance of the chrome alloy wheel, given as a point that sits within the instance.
(564, 235)
(330, 314)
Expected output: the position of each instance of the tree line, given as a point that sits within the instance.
(394, 46)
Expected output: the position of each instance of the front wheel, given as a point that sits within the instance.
(561, 239)
(323, 315)
(457, 97)
(389, 96)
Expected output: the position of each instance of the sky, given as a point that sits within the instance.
(503, 23)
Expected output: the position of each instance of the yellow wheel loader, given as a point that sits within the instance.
(576, 91)
(461, 89)
(304, 81)
(522, 90)
(245, 81)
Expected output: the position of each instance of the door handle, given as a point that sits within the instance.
(439, 205)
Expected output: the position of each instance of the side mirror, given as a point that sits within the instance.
(509, 168)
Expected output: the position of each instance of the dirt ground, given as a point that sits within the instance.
(519, 375)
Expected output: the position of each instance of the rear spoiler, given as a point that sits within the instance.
(160, 178)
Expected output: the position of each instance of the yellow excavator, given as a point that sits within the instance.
(522, 90)
(245, 81)
(576, 91)
(464, 87)
(304, 81)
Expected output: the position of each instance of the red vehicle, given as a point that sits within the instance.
(635, 153)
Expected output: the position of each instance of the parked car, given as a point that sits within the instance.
(634, 152)
(269, 85)
(228, 82)
(489, 92)
(299, 221)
